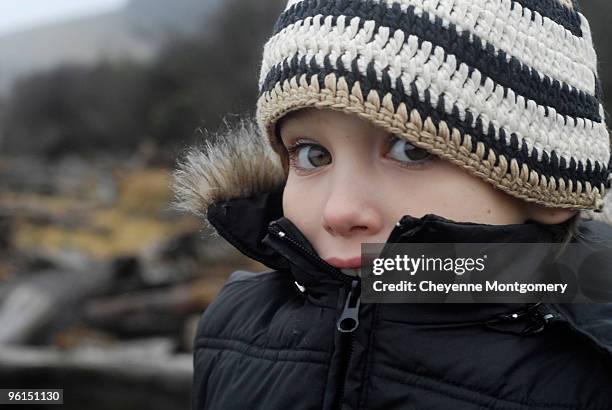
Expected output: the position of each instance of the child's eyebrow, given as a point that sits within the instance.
(300, 128)
(289, 139)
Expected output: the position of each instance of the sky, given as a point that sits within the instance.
(17, 15)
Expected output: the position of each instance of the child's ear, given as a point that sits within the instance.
(547, 215)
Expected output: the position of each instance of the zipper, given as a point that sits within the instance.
(275, 229)
(347, 323)
(536, 319)
(349, 318)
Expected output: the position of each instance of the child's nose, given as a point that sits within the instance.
(352, 210)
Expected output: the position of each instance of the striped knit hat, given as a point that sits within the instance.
(506, 89)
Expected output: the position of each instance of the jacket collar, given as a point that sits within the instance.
(235, 185)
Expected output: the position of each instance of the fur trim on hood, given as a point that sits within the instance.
(239, 163)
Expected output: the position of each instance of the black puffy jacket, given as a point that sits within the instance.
(270, 340)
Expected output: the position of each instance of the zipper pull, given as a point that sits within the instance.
(536, 318)
(349, 318)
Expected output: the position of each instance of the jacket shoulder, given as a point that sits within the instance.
(260, 327)
(246, 300)
(243, 275)
(264, 310)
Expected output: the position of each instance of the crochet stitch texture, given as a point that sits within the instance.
(506, 89)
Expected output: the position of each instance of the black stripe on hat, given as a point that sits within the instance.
(556, 12)
(507, 144)
(511, 74)
(552, 9)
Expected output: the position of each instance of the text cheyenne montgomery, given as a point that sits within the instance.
(489, 286)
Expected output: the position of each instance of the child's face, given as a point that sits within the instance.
(351, 182)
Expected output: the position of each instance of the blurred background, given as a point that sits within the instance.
(101, 284)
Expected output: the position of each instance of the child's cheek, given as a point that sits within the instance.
(299, 201)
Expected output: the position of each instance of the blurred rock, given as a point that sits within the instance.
(36, 306)
(158, 311)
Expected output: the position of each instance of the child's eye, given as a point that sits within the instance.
(403, 151)
(308, 156)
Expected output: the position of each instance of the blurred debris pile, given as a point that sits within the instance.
(98, 276)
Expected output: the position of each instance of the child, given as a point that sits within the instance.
(405, 121)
